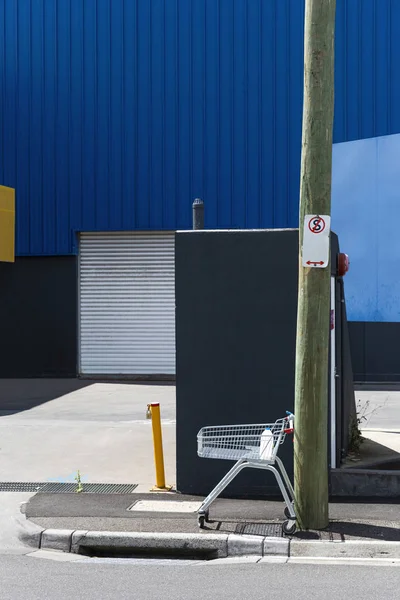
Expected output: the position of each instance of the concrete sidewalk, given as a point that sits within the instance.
(379, 411)
(50, 429)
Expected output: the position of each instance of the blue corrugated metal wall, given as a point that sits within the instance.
(115, 114)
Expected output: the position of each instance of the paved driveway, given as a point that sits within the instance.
(51, 428)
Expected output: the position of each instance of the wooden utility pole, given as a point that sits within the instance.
(312, 343)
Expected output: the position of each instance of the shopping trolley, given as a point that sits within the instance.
(254, 446)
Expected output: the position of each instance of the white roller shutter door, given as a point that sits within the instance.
(127, 303)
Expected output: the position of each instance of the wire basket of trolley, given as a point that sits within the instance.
(254, 446)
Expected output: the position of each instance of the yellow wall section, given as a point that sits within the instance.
(7, 224)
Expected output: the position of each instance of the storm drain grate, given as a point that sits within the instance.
(89, 488)
(264, 529)
(19, 486)
(67, 488)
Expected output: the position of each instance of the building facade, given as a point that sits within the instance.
(115, 115)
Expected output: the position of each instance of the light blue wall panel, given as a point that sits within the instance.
(366, 216)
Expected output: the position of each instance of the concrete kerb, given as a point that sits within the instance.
(362, 549)
(211, 545)
(178, 544)
(365, 483)
(56, 539)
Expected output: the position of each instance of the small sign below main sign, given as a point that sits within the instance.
(316, 234)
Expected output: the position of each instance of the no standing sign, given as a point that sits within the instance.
(316, 234)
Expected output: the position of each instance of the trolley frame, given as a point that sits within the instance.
(228, 442)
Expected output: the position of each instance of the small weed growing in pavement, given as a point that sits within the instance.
(78, 480)
(355, 437)
(362, 414)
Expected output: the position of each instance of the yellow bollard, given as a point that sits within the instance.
(153, 412)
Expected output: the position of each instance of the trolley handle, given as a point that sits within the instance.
(290, 421)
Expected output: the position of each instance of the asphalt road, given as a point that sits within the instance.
(34, 579)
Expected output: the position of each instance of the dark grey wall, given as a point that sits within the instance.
(236, 299)
(345, 399)
(38, 312)
(374, 351)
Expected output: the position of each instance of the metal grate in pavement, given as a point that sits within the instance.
(264, 529)
(89, 488)
(20, 486)
(67, 488)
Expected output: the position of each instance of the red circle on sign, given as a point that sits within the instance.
(316, 224)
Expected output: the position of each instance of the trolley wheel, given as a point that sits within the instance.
(287, 513)
(205, 514)
(201, 520)
(288, 529)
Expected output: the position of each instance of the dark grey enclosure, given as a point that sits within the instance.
(236, 308)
